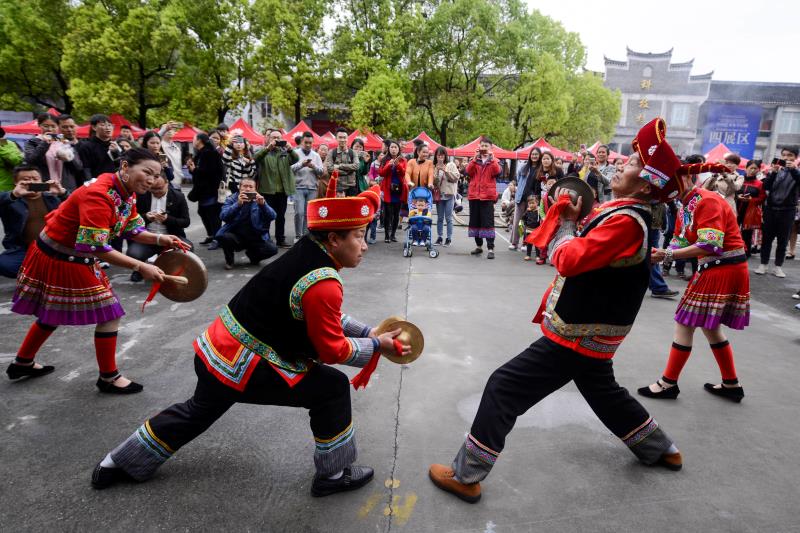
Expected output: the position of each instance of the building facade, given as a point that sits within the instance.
(753, 119)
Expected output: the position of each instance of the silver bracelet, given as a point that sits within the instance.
(668, 253)
(158, 239)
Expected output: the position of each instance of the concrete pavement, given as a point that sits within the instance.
(561, 470)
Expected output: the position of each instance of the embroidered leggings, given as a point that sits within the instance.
(325, 392)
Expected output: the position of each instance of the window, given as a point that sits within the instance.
(790, 122)
(679, 116)
(647, 72)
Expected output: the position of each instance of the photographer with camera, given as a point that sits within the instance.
(247, 217)
(22, 211)
(276, 179)
(307, 171)
(483, 171)
(172, 150)
(36, 147)
(782, 186)
(99, 154)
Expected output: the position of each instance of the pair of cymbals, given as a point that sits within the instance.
(409, 335)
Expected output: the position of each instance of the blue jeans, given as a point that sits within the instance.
(657, 283)
(301, 199)
(444, 211)
(372, 229)
(10, 261)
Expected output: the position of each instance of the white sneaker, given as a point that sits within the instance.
(512, 246)
(779, 273)
(761, 270)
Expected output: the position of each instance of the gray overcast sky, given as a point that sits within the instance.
(742, 40)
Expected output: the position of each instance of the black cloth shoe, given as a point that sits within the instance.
(666, 294)
(103, 477)
(447, 242)
(207, 241)
(438, 242)
(476, 251)
(109, 387)
(393, 238)
(387, 240)
(734, 394)
(353, 477)
(284, 244)
(16, 371)
(670, 393)
(136, 277)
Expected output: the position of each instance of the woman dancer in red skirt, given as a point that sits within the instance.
(60, 281)
(718, 293)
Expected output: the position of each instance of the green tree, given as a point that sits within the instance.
(30, 55)
(286, 64)
(121, 56)
(594, 112)
(214, 59)
(382, 104)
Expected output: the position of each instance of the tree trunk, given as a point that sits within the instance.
(298, 100)
(142, 97)
(443, 133)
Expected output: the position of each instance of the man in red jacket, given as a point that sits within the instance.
(483, 171)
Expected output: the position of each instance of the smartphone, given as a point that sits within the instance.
(779, 162)
(281, 143)
(251, 195)
(38, 187)
(162, 158)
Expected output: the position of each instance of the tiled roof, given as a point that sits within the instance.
(755, 92)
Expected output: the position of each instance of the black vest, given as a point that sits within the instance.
(268, 306)
(604, 301)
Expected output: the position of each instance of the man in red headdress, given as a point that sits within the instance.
(271, 345)
(584, 318)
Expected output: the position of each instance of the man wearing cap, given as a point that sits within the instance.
(585, 315)
(262, 349)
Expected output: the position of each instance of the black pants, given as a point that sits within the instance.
(278, 202)
(209, 214)
(540, 370)
(391, 218)
(777, 225)
(256, 249)
(747, 237)
(324, 391)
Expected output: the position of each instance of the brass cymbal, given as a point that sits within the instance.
(188, 265)
(577, 188)
(410, 335)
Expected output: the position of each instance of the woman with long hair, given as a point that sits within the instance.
(419, 169)
(749, 199)
(445, 182)
(151, 141)
(239, 163)
(548, 168)
(527, 185)
(395, 190)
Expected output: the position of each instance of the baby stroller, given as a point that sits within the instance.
(420, 225)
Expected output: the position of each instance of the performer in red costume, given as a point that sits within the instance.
(603, 274)
(718, 293)
(271, 345)
(60, 281)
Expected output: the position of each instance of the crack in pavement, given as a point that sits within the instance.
(397, 415)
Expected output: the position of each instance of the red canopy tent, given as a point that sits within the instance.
(118, 121)
(541, 144)
(299, 129)
(424, 137)
(372, 143)
(469, 149)
(186, 134)
(240, 127)
(329, 139)
(612, 155)
(717, 153)
(30, 127)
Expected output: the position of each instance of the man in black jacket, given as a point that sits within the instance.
(165, 211)
(782, 186)
(22, 212)
(99, 153)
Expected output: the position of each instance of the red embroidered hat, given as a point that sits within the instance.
(662, 168)
(332, 213)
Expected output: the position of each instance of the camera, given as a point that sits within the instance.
(281, 143)
(38, 187)
(251, 195)
(779, 162)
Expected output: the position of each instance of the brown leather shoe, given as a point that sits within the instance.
(673, 461)
(442, 477)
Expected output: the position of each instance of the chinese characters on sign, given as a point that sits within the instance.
(734, 126)
(646, 84)
(640, 118)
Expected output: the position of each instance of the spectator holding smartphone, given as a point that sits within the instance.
(483, 171)
(782, 186)
(22, 211)
(152, 142)
(36, 147)
(247, 217)
(99, 154)
(306, 171)
(172, 150)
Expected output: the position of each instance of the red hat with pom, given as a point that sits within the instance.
(332, 213)
(662, 168)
